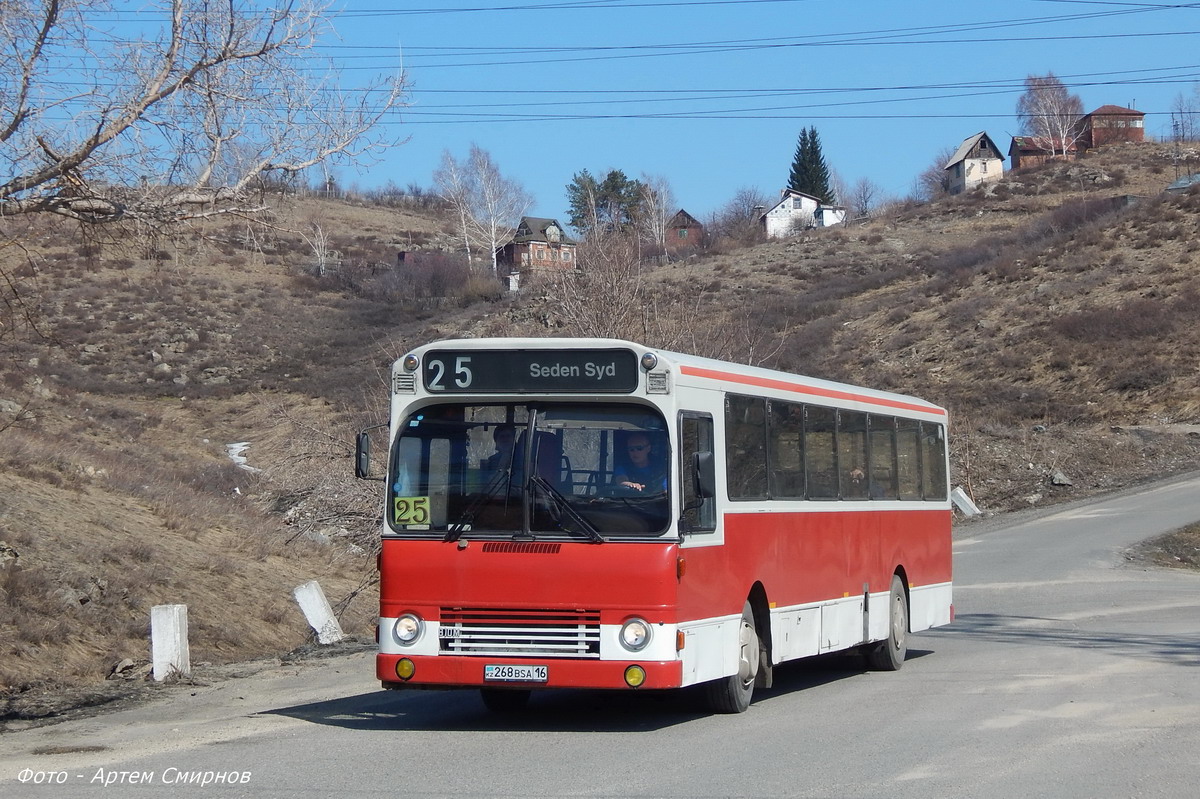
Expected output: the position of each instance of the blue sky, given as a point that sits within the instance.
(712, 94)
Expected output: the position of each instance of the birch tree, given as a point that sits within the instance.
(179, 119)
(488, 206)
(1048, 110)
(655, 210)
(453, 183)
(498, 205)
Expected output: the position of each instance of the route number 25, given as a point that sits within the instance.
(411, 510)
(462, 373)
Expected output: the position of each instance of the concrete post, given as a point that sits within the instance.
(964, 503)
(316, 609)
(169, 641)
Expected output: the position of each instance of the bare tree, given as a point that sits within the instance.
(864, 197)
(739, 219)
(655, 210)
(1185, 116)
(934, 182)
(498, 204)
(453, 183)
(603, 296)
(325, 258)
(1048, 110)
(176, 123)
(488, 205)
(839, 189)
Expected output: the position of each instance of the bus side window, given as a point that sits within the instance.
(882, 452)
(820, 456)
(852, 454)
(933, 460)
(746, 447)
(786, 426)
(695, 436)
(908, 458)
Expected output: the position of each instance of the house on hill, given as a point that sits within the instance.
(1026, 151)
(797, 211)
(684, 232)
(538, 244)
(977, 160)
(1112, 123)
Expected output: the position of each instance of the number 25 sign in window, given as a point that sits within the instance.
(411, 511)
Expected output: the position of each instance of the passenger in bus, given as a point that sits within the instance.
(857, 486)
(504, 437)
(643, 469)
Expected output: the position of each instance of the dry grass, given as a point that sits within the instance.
(1178, 550)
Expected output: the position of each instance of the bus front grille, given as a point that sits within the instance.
(520, 633)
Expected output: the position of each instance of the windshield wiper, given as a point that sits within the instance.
(565, 505)
(467, 517)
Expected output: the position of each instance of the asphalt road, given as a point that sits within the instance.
(1069, 672)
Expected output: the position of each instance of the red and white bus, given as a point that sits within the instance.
(592, 513)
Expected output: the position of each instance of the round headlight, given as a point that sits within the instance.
(410, 363)
(408, 628)
(635, 634)
(649, 361)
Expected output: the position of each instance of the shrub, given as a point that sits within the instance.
(1135, 319)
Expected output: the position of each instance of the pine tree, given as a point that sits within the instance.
(809, 172)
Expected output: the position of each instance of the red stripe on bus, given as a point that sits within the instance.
(766, 382)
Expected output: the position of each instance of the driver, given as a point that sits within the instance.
(644, 470)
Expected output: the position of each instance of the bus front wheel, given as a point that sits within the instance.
(732, 694)
(888, 654)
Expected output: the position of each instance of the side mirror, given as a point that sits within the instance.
(704, 473)
(362, 456)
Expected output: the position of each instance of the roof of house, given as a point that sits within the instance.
(683, 219)
(533, 228)
(968, 145)
(786, 193)
(1037, 144)
(1115, 110)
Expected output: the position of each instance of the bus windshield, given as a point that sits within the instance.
(598, 470)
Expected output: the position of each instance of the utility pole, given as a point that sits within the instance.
(1177, 131)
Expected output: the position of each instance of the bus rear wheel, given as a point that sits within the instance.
(888, 654)
(499, 700)
(732, 694)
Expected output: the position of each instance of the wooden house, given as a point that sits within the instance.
(538, 244)
(684, 232)
(977, 160)
(1026, 151)
(1112, 123)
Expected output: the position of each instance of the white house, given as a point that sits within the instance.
(796, 211)
(977, 160)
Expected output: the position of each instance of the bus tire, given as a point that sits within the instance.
(888, 654)
(732, 694)
(499, 700)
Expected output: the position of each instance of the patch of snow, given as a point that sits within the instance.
(235, 454)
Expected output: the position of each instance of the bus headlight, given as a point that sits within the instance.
(410, 363)
(408, 629)
(635, 634)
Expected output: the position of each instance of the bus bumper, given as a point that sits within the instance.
(468, 672)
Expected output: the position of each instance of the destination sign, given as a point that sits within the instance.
(531, 371)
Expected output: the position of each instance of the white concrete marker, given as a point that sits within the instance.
(316, 609)
(169, 641)
(963, 502)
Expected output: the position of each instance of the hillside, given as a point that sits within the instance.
(1056, 322)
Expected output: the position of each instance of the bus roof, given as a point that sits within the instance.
(705, 372)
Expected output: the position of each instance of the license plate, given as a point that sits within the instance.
(493, 673)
